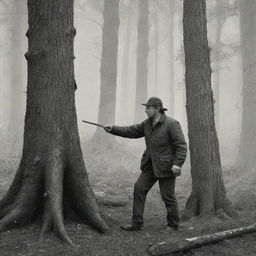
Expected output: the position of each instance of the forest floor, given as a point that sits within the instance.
(115, 174)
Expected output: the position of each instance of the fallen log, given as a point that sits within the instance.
(107, 200)
(167, 248)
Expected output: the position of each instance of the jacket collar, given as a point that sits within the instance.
(162, 118)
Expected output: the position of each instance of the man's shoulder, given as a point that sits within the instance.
(145, 121)
(140, 124)
(171, 120)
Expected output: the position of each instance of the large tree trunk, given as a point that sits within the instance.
(51, 175)
(247, 150)
(208, 191)
(17, 91)
(171, 56)
(142, 60)
(108, 69)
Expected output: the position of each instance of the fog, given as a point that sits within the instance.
(125, 52)
(88, 23)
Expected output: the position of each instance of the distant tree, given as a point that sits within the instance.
(208, 192)
(163, 10)
(156, 42)
(220, 52)
(218, 12)
(17, 91)
(220, 21)
(12, 18)
(96, 7)
(171, 55)
(51, 177)
(247, 149)
(124, 103)
(4, 19)
(142, 59)
(108, 69)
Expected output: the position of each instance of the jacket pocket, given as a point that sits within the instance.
(165, 162)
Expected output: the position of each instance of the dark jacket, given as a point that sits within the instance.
(166, 145)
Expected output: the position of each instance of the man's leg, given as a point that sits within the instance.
(167, 189)
(144, 183)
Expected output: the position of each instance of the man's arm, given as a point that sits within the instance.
(133, 131)
(179, 143)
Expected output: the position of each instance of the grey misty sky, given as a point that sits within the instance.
(87, 66)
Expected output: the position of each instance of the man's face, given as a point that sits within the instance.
(151, 111)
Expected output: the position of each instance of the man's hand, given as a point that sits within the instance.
(176, 170)
(107, 128)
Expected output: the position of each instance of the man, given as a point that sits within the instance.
(165, 153)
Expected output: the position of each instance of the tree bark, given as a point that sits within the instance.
(208, 191)
(108, 69)
(142, 60)
(247, 149)
(52, 173)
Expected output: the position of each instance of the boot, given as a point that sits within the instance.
(173, 227)
(131, 227)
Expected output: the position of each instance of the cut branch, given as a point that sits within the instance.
(194, 242)
(35, 55)
(107, 200)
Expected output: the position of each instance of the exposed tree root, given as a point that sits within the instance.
(191, 208)
(47, 222)
(195, 207)
(83, 199)
(35, 188)
(54, 196)
(22, 207)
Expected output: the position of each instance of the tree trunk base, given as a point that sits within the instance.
(47, 186)
(196, 208)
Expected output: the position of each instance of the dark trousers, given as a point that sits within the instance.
(142, 186)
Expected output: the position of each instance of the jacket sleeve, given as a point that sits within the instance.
(133, 131)
(179, 143)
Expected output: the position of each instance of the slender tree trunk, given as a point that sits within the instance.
(247, 150)
(156, 50)
(142, 60)
(183, 96)
(183, 85)
(208, 191)
(17, 91)
(126, 61)
(171, 56)
(217, 66)
(108, 69)
(51, 176)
